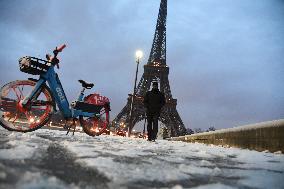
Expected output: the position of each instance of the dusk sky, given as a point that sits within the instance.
(226, 57)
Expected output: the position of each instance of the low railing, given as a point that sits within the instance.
(260, 136)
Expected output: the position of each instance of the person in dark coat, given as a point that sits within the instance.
(154, 100)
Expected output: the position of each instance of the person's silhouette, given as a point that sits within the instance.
(154, 100)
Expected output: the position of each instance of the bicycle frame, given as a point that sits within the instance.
(58, 93)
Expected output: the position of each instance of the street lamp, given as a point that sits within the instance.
(138, 55)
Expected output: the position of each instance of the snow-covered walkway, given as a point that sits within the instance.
(50, 159)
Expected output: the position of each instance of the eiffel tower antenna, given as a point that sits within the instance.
(156, 69)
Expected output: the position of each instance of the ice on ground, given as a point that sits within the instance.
(39, 181)
(215, 186)
(137, 163)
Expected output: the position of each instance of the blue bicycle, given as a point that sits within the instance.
(27, 105)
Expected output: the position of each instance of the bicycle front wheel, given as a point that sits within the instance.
(35, 114)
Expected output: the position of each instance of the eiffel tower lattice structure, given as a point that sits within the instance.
(156, 69)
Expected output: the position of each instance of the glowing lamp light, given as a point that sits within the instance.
(31, 120)
(139, 54)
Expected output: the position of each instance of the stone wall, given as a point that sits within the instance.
(260, 136)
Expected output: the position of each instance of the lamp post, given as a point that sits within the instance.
(138, 55)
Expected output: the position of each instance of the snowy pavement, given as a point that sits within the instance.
(50, 159)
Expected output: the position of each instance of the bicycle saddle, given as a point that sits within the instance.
(85, 84)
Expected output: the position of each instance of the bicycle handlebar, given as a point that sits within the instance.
(54, 59)
(59, 49)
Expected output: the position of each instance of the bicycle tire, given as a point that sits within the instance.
(97, 125)
(28, 119)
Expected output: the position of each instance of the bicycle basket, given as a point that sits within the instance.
(34, 66)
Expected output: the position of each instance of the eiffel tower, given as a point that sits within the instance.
(156, 69)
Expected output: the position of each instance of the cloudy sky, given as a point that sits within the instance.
(226, 57)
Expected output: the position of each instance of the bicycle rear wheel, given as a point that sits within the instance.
(34, 115)
(96, 125)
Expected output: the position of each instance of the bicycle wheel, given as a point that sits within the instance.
(96, 125)
(35, 114)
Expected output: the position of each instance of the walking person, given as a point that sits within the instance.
(154, 100)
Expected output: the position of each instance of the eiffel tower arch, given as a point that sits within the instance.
(155, 69)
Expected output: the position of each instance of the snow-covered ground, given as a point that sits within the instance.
(50, 159)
